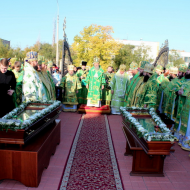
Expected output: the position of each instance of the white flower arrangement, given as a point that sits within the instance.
(164, 136)
(8, 121)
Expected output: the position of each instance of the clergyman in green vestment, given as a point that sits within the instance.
(70, 84)
(135, 74)
(19, 77)
(95, 83)
(82, 74)
(172, 98)
(148, 95)
(107, 96)
(32, 88)
(159, 70)
(162, 86)
(182, 125)
(174, 81)
(118, 89)
(46, 80)
(133, 88)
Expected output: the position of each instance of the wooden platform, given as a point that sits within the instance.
(93, 110)
(26, 164)
(148, 157)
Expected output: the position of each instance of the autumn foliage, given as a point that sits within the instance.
(95, 41)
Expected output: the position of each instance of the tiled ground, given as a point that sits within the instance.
(51, 176)
(176, 168)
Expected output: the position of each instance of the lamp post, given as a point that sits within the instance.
(57, 39)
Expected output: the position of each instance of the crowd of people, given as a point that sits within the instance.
(36, 79)
(167, 90)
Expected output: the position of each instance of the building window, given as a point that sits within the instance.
(187, 59)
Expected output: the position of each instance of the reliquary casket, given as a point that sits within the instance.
(28, 120)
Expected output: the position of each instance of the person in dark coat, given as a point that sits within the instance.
(7, 88)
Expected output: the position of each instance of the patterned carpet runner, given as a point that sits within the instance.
(92, 163)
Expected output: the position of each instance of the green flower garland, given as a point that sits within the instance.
(141, 131)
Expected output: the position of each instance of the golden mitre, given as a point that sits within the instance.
(70, 67)
(122, 67)
(174, 70)
(148, 68)
(96, 60)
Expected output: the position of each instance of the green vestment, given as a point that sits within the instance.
(182, 104)
(132, 81)
(82, 93)
(119, 85)
(95, 79)
(183, 117)
(185, 107)
(17, 96)
(33, 87)
(160, 78)
(52, 85)
(166, 92)
(70, 84)
(172, 98)
(132, 94)
(46, 84)
(161, 88)
(148, 94)
(106, 93)
(137, 92)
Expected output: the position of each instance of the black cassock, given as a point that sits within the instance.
(7, 82)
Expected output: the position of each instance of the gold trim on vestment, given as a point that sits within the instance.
(188, 149)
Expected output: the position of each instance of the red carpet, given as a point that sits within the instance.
(92, 163)
(93, 110)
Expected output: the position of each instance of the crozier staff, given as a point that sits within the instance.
(7, 87)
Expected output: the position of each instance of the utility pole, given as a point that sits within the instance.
(57, 39)
(54, 30)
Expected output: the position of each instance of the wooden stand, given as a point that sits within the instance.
(146, 165)
(148, 157)
(26, 164)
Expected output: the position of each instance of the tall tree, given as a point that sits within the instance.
(125, 56)
(5, 50)
(142, 53)
(175, 58)
(19, 54)
(36, 47)
(95, 41)
(129, 53)
(47, 51)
